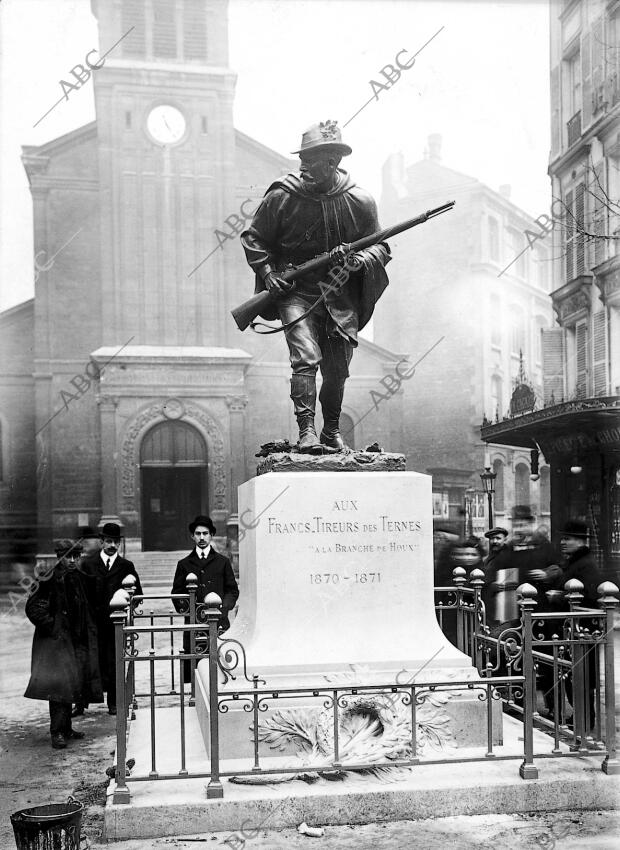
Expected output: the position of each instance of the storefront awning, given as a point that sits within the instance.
(583, 424)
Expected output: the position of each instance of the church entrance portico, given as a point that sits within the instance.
(174, 486)
(172, 423)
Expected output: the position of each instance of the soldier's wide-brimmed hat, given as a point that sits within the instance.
(576, 528)
(66, 546)
(112, 530)
(497, 530)
(203, 520)
(325, 134)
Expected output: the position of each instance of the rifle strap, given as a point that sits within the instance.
(288, 325)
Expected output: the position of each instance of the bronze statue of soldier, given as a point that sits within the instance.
(302, 215)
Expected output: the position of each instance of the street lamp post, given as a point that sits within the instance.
(488, 482)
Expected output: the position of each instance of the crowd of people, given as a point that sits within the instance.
(73, 647)
(524, 555)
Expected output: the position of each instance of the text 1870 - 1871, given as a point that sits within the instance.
(336, 578)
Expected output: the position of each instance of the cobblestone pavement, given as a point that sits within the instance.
(32, 774)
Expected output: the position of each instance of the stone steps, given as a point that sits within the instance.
(156, 569)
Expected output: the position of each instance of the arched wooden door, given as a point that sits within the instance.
(173, 471)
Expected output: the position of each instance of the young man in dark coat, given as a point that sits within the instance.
(109, 569)
(65, 663)
(214, 574)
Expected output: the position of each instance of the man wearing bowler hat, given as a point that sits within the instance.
(302, 215)
(579, 562)
(213, 572)
(109, 570)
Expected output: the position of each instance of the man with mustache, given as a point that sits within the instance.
(109, 569)
(302, 215)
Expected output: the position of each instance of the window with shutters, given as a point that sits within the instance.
(164, 29)
(575, 240)
(499, 499)
(600, 366)
(132, 12)
(553, 364)
(194, 30)
(569, 233)
(581, 359)
(580, 267)
(598, 207)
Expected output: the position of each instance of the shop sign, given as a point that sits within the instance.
(581, 440)
(523, 400)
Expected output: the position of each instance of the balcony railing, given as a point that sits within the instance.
(573, 128)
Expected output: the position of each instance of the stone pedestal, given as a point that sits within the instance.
(337, 581)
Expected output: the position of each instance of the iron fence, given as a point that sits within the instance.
(552, 648)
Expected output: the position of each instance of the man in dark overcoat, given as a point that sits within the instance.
(109, 569)
(580, 563)
(214, 574)
(302, 215)
(65, 662)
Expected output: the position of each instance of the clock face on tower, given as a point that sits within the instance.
(166, 124)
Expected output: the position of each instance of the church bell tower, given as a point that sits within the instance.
(164, 105)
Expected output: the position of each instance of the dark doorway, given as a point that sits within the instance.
(173, 461)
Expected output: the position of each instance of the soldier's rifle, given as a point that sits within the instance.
(246, 313)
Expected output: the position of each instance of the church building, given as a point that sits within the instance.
(127, 392)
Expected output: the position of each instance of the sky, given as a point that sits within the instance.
(480, 79)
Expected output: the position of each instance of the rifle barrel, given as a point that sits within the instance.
(250, 309)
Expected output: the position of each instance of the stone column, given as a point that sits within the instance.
(236, 406)
(109, 491)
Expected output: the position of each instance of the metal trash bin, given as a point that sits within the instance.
(52, 827)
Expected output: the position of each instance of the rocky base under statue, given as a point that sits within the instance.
(281, 456)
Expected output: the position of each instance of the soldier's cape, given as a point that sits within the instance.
(293, 225)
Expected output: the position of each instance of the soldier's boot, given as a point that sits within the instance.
(331, 396)
(303, 394)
